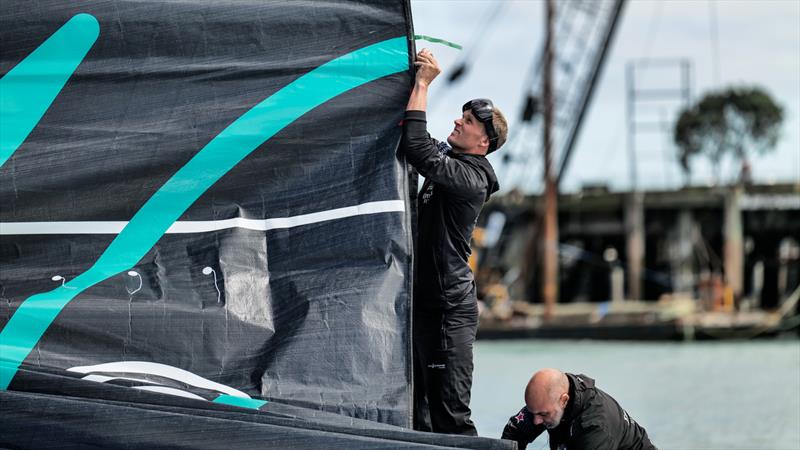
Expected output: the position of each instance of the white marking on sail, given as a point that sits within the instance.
(162, 370)
(203, 226)
(103, 379)
(170, 391)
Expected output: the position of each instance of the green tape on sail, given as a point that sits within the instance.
(422, 37)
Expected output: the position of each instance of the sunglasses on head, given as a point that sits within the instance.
(483, 110)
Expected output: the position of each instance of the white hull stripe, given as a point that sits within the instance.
(203, 226)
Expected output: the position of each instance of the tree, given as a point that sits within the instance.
(737, 121)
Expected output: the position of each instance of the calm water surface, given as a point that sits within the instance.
(715, 395)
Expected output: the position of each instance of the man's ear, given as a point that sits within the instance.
(485, 144)
(564, 399)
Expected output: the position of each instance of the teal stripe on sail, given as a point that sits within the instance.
(28, 90)
(240, 402)
(213, 161)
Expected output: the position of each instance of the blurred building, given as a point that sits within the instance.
(685, 233)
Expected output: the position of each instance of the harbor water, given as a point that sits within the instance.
(694, 395)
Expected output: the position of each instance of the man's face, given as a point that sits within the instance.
(548, 411)
(468, 134)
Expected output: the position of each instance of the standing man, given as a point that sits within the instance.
(576, 414)
(458, 181)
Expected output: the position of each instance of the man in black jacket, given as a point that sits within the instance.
(458, 181)
(576, 414)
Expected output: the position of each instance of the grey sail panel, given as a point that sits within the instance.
(207, 200)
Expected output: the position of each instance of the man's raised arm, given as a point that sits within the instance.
(427, 70)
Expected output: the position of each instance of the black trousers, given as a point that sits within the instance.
(443, 365)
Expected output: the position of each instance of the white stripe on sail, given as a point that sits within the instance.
(203, 226)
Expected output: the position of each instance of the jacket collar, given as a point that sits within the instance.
(580, 389)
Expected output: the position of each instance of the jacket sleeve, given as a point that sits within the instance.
(520, 428)
(421, 151)
(593, 438)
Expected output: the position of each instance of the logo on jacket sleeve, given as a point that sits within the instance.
(443, 149)
(426, 197)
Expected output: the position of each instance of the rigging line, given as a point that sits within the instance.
(653, 28)
(535, 69)
(474, 46)
(713, 31)
(529, 89)
(565, 22)
(614, 142)
(511, 151)
(479, 38)
(526, 167)
(594, 69)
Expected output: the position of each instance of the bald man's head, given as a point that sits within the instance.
(546, 397)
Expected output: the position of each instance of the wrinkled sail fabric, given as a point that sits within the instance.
(202, 200)
(103, 415)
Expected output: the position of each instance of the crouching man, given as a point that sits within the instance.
(576, 414)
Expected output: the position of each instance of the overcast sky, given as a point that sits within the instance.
(758, 44)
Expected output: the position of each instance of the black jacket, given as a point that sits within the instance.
(592, 420)
(456, 187)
